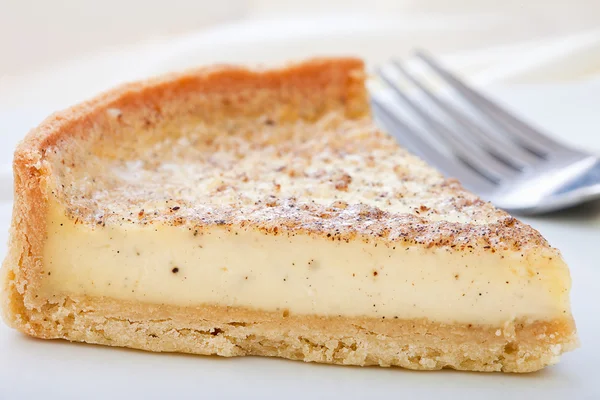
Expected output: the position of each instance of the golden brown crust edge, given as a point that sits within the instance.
(323, 84)
(235, 331)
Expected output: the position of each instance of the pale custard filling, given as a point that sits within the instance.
(302, 274)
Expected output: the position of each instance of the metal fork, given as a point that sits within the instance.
(492, 152)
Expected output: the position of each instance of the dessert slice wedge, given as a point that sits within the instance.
(236, 212)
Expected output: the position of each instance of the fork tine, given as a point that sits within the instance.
(411, 140)
(467, 151)
(515, 127)
(415, 143)
(506, 150)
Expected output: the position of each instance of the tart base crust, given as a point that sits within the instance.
(235, 331)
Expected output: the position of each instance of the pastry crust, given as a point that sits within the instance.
(323, 95)
(234, 331)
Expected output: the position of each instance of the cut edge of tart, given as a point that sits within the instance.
(240, 212)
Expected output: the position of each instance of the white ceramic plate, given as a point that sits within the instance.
(31, 368)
